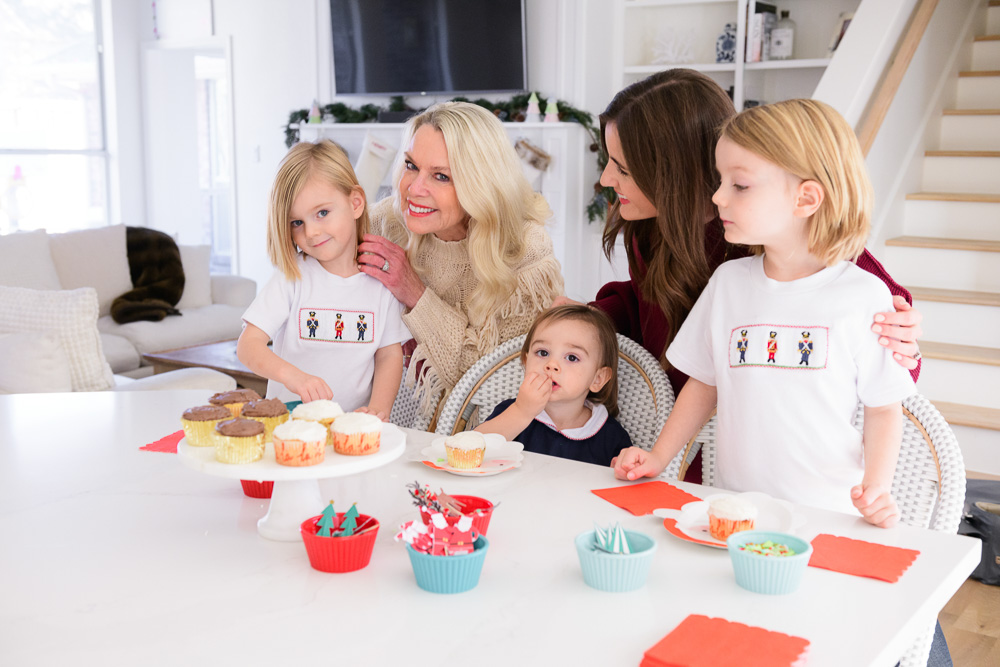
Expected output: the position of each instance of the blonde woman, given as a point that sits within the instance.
(461, 244)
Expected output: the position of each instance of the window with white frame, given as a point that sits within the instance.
(53, 151)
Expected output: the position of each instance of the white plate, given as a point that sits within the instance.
(202, 459)
(501, 455)
(690, 522)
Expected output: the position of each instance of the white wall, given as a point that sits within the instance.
(281, 63)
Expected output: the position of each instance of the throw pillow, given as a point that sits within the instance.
(197, 278)
(25, 261)
(33, 362)
(69, 314)
(93, 258)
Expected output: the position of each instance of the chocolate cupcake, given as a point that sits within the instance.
(199, 424)
(239, 441)
(268, 411)
(234, 400)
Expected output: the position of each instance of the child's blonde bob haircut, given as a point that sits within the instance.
(810, 140)
(607, 340)
(325, 160)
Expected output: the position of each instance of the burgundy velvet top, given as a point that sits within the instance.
(646, 324)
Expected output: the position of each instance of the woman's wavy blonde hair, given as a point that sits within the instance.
(324, 159)
(813, 142)
(491, 188)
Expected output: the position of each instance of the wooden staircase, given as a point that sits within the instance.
(949, 257)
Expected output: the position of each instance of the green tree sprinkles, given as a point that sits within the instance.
(768, 548)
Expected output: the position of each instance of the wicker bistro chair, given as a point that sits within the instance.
(929, 484)
(645, 397)
(406, 409)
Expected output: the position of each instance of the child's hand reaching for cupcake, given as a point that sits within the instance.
(876, 505)
(308, 387)
(381, 414)
(636, 462)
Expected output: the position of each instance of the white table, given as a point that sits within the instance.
(114, 556)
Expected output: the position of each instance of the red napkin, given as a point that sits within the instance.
(864, 559)
(643, 498)
(700, 641)
(167, 443)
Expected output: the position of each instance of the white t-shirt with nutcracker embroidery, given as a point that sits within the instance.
(330, 327)
(790, 361)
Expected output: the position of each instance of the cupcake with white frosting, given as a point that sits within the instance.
(299, 443)
(323, 411)
(356, 434)
(465, 450)
(730, 514)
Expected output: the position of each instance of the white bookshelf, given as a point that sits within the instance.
(638, 24)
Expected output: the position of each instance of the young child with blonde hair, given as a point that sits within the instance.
(317, 216)
(779, 341)
(569, 396)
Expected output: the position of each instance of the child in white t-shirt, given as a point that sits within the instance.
(779, 341)
(336, 332)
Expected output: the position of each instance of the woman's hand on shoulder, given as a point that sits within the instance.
(899, 331)
(387, 263)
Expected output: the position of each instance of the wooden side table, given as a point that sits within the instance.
(217, 356)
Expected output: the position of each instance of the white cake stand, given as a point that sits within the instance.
(295, 496)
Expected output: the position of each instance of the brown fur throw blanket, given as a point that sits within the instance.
(154, 261)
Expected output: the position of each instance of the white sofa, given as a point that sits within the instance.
(60, 266)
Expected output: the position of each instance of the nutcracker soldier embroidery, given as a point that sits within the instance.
(741, 345)
(312, 324)
(362, 327)
(772, 346)
(805, 348)
(339, 327)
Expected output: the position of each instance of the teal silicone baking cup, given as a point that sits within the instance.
(615, 573)
(770, 575)
(449, 574)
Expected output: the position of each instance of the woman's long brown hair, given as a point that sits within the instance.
(668, 124)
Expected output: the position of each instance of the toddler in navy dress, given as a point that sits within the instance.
(568, 400)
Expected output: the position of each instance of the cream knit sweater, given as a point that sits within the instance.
(446, 340)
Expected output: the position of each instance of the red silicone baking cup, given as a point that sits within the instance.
(257, 489)
(480, 520)
(340, 554)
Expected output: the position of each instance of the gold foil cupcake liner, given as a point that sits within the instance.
(200, 433)
(464, 458)
(269, 424)
(247, 449)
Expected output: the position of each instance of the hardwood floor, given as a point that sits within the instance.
(971, 621)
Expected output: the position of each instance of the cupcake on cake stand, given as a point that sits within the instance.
(296, 489)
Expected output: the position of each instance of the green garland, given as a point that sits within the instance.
(512, 110)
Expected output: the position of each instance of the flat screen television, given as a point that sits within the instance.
(411, 47)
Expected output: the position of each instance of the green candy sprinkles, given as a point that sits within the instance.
(768, 548)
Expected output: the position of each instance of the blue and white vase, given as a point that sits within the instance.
(725, 45)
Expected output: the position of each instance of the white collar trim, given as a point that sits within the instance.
(598, 415)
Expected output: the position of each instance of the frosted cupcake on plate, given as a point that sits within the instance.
(199, 424)
(239, 441)
(465, 450)
(268, 411)
(323, 411)
(299, 443)
(356, 434)
(234, 400)
(730, 514)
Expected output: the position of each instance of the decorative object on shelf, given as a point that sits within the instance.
(533, 160)
(511, 110)
(725, 45)
(552, 112)
(843, 21)
(314, 114)
(672, 46)
(533, 114)
(759, 28)
(783, 38)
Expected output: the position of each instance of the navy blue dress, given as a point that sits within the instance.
(605, 444)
